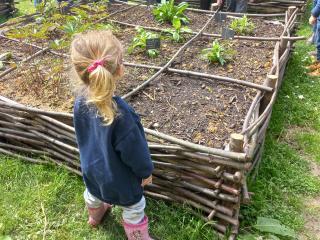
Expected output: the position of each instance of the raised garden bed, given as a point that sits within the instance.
(205, 123)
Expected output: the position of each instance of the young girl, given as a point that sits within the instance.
(114, 154)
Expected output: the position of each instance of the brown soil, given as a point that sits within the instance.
(133, 77)
(45, 82)
(19, 51)
(262, 28)
(42, 82)
(193, 110)
(143, 16)
(251, 61)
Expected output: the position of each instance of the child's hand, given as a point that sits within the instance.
(146, 181)
(312, 20)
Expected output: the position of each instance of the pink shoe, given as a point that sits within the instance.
(137, 231)
(96, 214)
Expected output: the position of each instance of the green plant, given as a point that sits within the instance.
(59, 44)
(177, 30)
(95, 7)
(140, 41)
(217, 53)
(33, 31)
(74, 25)
(47, 8)
(167, 12)
(270, 229)
(242, 25)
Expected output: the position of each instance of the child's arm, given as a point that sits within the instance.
(134, 152)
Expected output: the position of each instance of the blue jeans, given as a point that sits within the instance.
(317, 37)
(239, 6)
(36, 2)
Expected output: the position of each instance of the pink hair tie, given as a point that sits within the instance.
(95, 64)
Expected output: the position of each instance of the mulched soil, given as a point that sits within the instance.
(251, 61)
(42, 82)
(263, 28)
(48, 82)
(19, 51)
(194, 110)
(133, 77)
(143, 16)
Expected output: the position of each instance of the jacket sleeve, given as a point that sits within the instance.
(134, 152)
(316, 9)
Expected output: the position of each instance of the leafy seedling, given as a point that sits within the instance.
(47, 8)
(176, 32)
(140, 42)
(242, 26)
(217, 53)
(168, 11)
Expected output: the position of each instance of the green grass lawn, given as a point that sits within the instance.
(45, 202)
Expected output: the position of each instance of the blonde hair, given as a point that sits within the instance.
(99, 83)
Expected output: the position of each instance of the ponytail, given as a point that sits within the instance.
(100, 92)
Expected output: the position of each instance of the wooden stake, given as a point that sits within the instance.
(270, 82)
(236, 143)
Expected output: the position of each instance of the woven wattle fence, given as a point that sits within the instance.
(212, 181)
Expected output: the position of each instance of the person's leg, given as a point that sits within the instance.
(96, 208)
(134, 214)
(135, 222)
(318, 40)
(241, 6)
(229, 5)
(205, 4)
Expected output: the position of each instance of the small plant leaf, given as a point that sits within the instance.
(269, 225)
(176, 23)
(1, 66)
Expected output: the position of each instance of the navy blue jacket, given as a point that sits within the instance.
(316, 9)
(115, 158)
